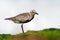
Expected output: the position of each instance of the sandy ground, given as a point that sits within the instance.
(29, 37)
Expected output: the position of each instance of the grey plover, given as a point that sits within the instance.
(23, 18)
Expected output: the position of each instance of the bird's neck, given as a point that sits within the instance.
(32, 14)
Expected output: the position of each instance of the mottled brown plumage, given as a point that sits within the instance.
(23, 18)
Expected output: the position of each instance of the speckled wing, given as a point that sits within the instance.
(22, 17)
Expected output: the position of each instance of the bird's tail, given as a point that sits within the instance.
(11, 18)
(8, 18)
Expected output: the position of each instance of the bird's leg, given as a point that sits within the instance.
(22, 28)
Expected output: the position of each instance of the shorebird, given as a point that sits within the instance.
(23, 18)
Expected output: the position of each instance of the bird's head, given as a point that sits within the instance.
(34, 12)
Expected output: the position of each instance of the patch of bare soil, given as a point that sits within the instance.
(29, 37)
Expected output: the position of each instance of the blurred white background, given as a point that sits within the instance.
(49, 15)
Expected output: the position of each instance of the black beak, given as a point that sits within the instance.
(36, 13)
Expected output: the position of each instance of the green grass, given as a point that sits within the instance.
(51, 34)
(5, 37)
